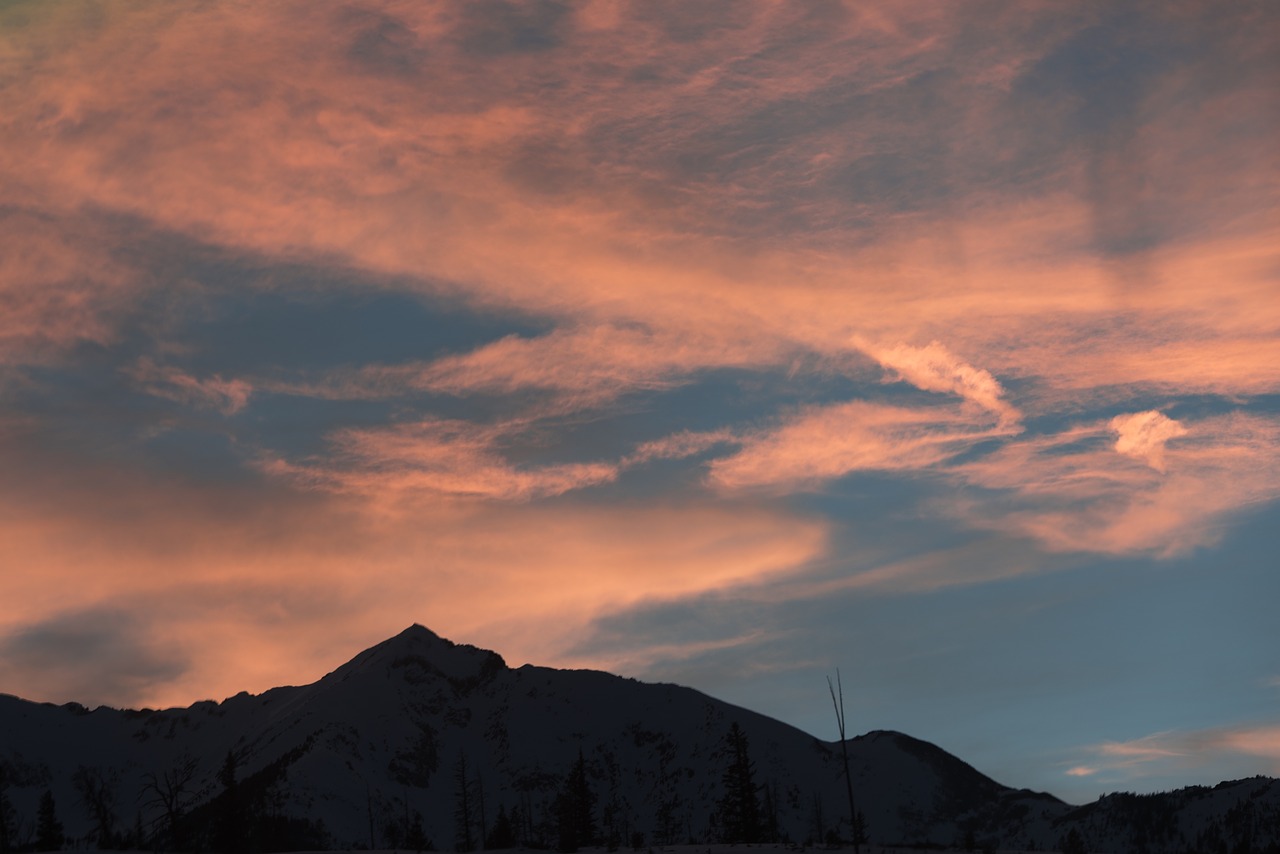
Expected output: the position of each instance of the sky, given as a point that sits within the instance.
(720, 343)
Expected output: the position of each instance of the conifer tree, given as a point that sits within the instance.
(576, 809)
(769, 815)
(8, 828)
(463, 816)
(503, 834)
(230, 816)
(739, 808)
(414, 836)
(49, 835)
(1074, 843)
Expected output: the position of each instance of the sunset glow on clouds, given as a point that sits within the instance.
(565, 328)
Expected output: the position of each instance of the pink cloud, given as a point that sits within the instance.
(518, 183)
(584, 366)
(1143, 435)
(1163, 752)
(227, 396)
(985, 560)
(437, 457)
(255, 589)
(934, 368)
(679, 446)
(288, 150)
(822, 443)
(1071, 492)
(59, 285)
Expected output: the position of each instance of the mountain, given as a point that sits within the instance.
(385, 747)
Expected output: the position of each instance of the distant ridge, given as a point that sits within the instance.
(382, 751)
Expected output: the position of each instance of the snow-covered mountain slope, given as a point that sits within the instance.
(356, 757)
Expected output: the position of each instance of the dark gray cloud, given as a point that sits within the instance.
(383, 44)
(694, 22)
(498, 27)
(97, 656)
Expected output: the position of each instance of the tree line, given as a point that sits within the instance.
(246, 812)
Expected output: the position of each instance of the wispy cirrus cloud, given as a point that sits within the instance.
(934, 368)
(1161, 752)
(1078, 491)
(582, 366)
(562, 202)
(206, 577)
(1001, 264)
(824, 443)
(438, 457)
(227, 396)
(60, 284)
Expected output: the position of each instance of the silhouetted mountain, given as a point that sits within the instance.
(416, 734)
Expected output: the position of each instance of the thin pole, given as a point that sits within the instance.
(844, 750)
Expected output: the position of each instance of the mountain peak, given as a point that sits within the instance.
(419, 632)
(417, 651)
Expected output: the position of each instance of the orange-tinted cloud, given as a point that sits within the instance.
(59, 285)
(438, 457)
(227, 396)
(1076, 491)
(1160, 752)
(934, 368)
(1143, 435)
(232, 587)
(513, 194)
(861, 194)
(828, 442)
(583, 366)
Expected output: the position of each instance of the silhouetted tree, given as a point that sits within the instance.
(97, 790)
(739, 808)
(857, 821)
(463, 816)
(503, 834)
(769, 815)
(667, 818)
(169, 790)
(1073, 843)
(615, 818)
(230, 830)
(575, 809)
(8, 817)
(859, 830)
(484, 820)
(49, 835)
(415, 837)
(819, 828)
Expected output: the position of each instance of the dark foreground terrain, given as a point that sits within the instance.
(419, 743)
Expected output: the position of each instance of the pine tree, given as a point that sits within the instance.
(503, 834)
(414, 836)
(739, 808)
(463, 817)
(49, 836)
(8, 827)
(769, 817)
(576, 809)
(1074, 843)
(230, 833)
